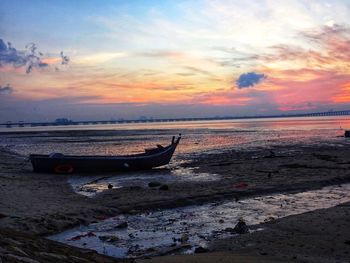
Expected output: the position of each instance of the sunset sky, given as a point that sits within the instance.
(124, 59)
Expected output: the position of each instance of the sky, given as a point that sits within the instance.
(101, 60)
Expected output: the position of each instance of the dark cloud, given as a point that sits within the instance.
(6, 89)
(29, 58)
(249, 79)
(65, 59)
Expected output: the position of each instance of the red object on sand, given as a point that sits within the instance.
(241, 185)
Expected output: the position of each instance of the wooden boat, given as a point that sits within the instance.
(59, 163)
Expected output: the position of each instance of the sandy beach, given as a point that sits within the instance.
(33, 206)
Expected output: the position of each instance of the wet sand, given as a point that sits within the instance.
(37, 205)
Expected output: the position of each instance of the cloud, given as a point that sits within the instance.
(65, 59)
(198, 70)
(249, 79)
(161, 53)
(327, 47)
(30, 58)
(6, 89)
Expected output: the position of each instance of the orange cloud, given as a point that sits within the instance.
(344, 94)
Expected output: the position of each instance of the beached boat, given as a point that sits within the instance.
(59, 163)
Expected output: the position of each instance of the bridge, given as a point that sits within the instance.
(97, 122)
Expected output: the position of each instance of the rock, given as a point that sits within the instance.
(122, 225)
(164, 187)
(110, 186)
(201, 250)
(154, 184)
(241, 227)
(221, 221)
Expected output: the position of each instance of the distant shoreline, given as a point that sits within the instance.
(164, 120)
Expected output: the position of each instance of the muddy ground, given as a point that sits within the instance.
(36, 205)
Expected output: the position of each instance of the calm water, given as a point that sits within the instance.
(198, 136)
(161, 230)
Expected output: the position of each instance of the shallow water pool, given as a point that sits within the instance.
(184, 229)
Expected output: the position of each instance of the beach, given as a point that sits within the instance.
(175, 131)
(35, 206)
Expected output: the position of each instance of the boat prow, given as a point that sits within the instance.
(59, 163)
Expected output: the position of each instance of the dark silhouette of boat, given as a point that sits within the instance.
(59, 163)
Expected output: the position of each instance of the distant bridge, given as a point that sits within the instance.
(95, 122)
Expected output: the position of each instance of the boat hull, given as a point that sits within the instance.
(90, 164)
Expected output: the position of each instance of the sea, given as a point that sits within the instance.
(197, 136)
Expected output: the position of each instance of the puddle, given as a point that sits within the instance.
(91, 185)
(154, 233)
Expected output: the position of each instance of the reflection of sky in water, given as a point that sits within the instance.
(91, 185)
(198, 136)
(153, 231)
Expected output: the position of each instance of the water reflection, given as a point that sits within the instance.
(198, 136)
(161, 230)
(90, 186)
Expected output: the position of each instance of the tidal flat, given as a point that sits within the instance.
(36, 206)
